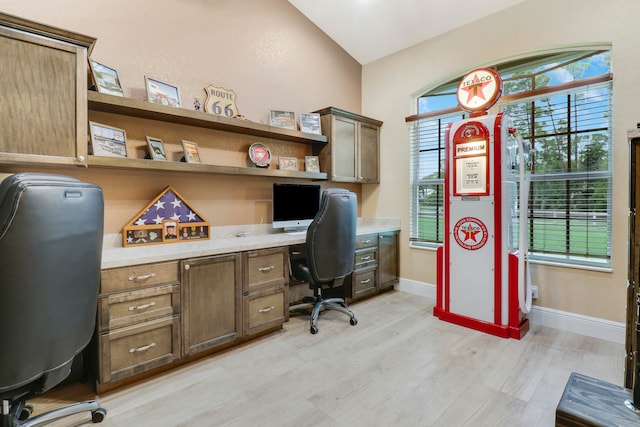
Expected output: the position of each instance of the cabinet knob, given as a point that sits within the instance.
(81, 159)
(187, 266)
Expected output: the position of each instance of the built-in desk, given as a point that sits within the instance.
(163, 305)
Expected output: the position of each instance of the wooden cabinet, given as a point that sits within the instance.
(211, 298)
(375, 266)
(138, 320)
(388, 259)
(265, 290)
(352, 153)
(365, 266)
(43, 107)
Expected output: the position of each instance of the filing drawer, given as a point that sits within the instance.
(137, 276)
(128, 308)
(366, 241)
(265, 268)
(265, 309)
(139, 348)
(364, 281)
(365, 257)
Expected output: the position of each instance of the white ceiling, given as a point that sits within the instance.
(371, 29)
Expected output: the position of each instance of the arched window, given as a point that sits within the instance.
(561, 103)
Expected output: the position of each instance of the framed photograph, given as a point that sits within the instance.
(162, 93)
(156, 148)
(288, 163)
(106, 79)
(283, 119)
(107, 141)
(311, 164)
(310, 123)
(191, 154)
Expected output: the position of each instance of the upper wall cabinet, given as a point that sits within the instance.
(352, 154)
(43, 82)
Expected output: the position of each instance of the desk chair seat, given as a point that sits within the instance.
(330, 250)
(51, 229)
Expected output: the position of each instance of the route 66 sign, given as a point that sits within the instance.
(220, 101)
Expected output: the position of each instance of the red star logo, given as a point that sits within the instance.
(470, 234)
(475, 89)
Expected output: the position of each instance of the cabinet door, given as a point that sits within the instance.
(343, 146)
(368, 150)
(211, 294)
(388, 259)
(43, 107)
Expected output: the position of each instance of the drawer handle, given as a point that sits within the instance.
(266, 309)
(143, 348)
(264, 269)
(143, 277)
(365, 281)
(142, 306)
(366, 242)
(365, 258)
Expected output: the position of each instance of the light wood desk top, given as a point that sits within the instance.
(223, 240)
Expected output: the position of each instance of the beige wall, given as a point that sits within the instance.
(390, 84)
(265, 50)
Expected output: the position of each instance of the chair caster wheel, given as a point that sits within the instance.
(353, 321)
(25, 412)
(98, 415)
(314, 330)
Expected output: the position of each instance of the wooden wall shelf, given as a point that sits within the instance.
(145, 164)
(147, 110)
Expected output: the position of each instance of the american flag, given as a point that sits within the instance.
(167, 207)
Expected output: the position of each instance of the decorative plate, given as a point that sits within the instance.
(260, 155)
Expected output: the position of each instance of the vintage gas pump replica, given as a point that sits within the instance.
(482, 266)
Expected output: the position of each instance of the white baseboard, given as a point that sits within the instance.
(571, 322)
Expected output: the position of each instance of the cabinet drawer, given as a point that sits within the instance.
(365, 257)
(131, 350)
(137, 276)
(366, 241)
(364, 281)
(265, 309)
(128, 308)
(265, 268)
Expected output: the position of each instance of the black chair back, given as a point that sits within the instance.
(331, 237)
(51, 229)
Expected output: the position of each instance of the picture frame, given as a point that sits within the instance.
(311, 164)
(287, 163)
(191, 154)
(310, 123)
(162, 93)
(283, 119)
(156, 149)
(106, 79)
(107, 141)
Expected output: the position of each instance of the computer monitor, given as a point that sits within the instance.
(295, 206)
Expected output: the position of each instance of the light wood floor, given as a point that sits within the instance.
(400, 366)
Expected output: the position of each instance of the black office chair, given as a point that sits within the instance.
(51, 229)
(330, 251)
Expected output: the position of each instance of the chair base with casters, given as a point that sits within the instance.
(319, 303)
(17, 415)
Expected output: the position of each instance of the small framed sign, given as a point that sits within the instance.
(106, 79)
(156, 148)
(310, 123)
(283, 119)
(107, 141)
(288, 163)
(162, 93)
(220, 101)
(191, 154)
(311, 164)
